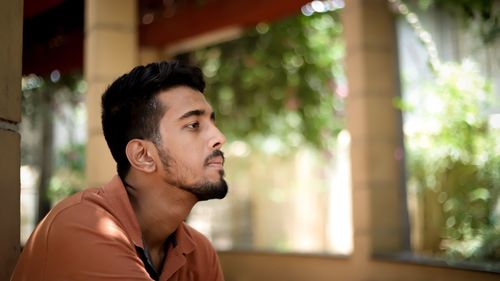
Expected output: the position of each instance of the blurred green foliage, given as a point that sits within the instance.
(454, 161)
(69, 175)
(37, 90)
(278, 81)
(50, 100)
(481, 15)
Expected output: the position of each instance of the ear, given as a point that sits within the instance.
(139, 155)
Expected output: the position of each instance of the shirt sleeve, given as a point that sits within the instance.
(87, 243)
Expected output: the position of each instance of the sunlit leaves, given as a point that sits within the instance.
(452, 154)
(278, 81)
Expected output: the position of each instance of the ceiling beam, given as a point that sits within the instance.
(53, 32)
(191, 19)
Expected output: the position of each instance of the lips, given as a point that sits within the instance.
(216, 161)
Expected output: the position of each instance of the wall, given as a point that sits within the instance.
(379, 200)
(276, 267)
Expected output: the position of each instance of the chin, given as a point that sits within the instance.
(207, 189)
(219, 172)
(212, 190)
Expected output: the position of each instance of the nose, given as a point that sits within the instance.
(218, 139)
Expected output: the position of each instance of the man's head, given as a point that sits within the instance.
(161, 107)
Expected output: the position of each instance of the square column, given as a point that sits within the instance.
(379, 200)
(11, 30)
(110, 50)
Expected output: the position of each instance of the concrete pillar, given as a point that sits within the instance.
(375, 127)
(110, 50)
(11, 30)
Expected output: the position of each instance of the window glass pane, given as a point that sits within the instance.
(451, 93)
(279, 95)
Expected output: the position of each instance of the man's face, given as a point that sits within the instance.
(190, 144)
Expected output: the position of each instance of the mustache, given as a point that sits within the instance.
(215, 153)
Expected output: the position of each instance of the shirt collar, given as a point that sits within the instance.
(116, 195)
(183, 241)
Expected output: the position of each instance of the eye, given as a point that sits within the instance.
(193, 126)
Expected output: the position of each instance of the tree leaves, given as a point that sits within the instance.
(278, 80)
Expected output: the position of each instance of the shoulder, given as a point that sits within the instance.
(81, 234)
(86, 217)
(85, 207)
(83, 217)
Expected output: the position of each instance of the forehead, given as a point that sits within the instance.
(181, 99)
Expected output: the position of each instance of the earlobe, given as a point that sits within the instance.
(139, 156)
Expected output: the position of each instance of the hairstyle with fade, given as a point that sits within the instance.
(130, 109)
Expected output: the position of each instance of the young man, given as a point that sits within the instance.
(161, 132)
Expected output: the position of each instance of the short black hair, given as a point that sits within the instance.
(130, 109)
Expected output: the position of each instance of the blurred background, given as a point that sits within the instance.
(362, 135)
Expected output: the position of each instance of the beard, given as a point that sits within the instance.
(204, 190)
(207, 190)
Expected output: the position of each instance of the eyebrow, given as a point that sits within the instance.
(196, 112)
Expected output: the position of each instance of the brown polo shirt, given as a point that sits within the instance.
(94, 235)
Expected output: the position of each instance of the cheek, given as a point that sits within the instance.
(192, 151)
(188, 159)
(189, 150)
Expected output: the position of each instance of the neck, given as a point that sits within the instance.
(159, 207)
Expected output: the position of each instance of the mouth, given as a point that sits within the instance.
(216, 162)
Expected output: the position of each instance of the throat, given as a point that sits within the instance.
(156, 258)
